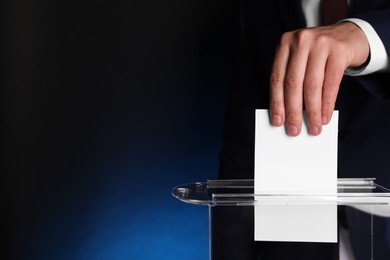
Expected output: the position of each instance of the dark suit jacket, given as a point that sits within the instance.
(364, 108)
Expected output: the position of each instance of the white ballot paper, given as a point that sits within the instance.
(295, 165)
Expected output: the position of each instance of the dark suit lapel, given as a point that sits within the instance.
(291, 14)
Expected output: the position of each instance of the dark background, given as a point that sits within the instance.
(105, 107)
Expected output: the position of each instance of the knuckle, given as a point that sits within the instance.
(303, 36)
(313, 115)
(276, 106)
(291, 83)
(285, 39)
(321, 40)
(293, 116)
(310, 85)
(275, 79)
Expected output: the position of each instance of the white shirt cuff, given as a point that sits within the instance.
(379, 59)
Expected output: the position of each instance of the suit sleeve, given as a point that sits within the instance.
(378, 84)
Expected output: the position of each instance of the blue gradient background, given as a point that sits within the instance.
(106, 107)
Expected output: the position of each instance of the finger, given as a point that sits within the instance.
(293, 89)
(276, 85)
(334, 72)
(312, 91)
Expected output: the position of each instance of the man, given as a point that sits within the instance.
(304, 69)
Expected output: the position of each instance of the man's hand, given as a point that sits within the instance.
(308, 67)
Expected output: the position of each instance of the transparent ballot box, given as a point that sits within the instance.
(363, 209)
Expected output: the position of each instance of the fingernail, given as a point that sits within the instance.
(292, 130)
(276, 120)
(314, 130)
(324, 120)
